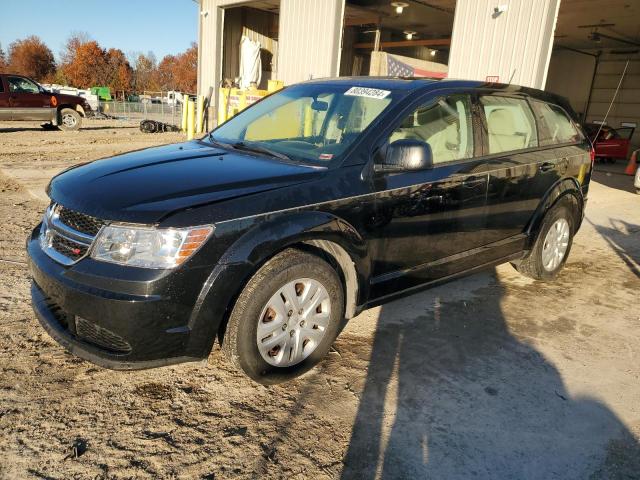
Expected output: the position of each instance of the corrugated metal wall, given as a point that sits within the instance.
(309, 39)
(514, 45)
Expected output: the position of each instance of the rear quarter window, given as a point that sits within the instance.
(555, 125)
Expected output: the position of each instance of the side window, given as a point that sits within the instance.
(22, 85)
(1, 85)
(446, 126)
(510, 124)
(556, 127)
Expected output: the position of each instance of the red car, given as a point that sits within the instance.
(22, 98)
(611, 144)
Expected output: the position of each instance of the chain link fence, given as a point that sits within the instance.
(121, 112)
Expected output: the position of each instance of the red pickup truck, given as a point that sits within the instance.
(22, 98)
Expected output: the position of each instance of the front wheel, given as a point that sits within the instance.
(69, 120)
(286, 318)
(551, 249)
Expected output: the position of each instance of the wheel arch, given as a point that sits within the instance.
(320, 233)
(566, 190)
(76, 108)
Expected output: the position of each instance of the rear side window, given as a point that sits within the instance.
(555, 125)
(510, 124)
(1, 85)
(446, 126)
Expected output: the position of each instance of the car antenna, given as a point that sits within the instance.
(615, 94)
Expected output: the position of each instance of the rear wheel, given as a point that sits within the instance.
(551, 249)
(286, 318)
(69, 119)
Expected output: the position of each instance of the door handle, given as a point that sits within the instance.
(547, 166)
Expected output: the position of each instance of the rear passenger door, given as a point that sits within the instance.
(520, 172)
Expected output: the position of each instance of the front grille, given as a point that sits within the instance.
(79, 221)
(68, 248)
(101, 337)
(66, 235)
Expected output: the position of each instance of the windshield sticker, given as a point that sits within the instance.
(326, 156)
(367, 92)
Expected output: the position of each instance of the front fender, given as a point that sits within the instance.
(264, 240)
(566, 189)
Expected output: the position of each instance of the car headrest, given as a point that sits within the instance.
(501, 122)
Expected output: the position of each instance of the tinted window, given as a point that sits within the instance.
(510, 124)
(1, 85)
(22, 85)
(555, 125)
(446, 126)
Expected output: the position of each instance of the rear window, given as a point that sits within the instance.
(555, 125)
(510, 124)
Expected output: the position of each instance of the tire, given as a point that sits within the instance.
(536, 264)
(296, 274)
(70, 120)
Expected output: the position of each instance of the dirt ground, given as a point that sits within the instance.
(491, 376)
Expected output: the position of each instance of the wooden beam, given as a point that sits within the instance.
(356, 21)
(434, 42)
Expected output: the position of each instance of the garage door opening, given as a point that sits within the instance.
(593, 42)
(409, 38)
(251, 26)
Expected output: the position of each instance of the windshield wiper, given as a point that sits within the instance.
(259, 149)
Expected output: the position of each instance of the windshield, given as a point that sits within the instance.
(310, 123)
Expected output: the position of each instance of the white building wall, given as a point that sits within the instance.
(309, 39)
(514, 45)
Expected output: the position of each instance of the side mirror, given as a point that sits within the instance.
(406, 155)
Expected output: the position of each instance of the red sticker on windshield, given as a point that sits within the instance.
(326, 156)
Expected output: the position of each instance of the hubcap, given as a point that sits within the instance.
(69, 120)
(555, 245)
(293, 322)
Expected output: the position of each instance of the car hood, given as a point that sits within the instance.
(65, 98)
(147, 185)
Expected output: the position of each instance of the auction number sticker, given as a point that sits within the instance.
(367, 92)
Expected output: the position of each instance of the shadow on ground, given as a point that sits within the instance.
(624, 239)
(452, 393)
(613, 176)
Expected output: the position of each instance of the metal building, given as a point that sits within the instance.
(578, 48)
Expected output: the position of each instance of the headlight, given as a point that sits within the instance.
(148, 247)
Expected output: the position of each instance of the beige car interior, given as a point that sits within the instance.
(503, 136)
(444, 127)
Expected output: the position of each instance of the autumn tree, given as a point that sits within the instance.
(165, 73)
(3, 60)
(31, 57)
(145, 72)
(85, 64)
(186, 70)
(119, 71)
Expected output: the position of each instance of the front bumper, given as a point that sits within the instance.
(123, 318)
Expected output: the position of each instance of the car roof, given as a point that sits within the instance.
(424, 83)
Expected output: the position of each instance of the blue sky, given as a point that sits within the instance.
(163, 27)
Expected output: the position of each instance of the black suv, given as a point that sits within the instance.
(315, 203)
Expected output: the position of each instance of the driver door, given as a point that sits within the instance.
(428, 223)
(26, 101)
